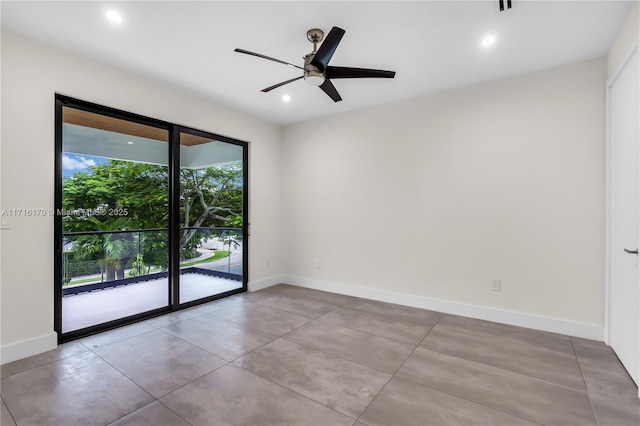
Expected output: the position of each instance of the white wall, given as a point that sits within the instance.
(31, 74)
(625, 40)
(434, 197)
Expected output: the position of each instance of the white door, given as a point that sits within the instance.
(624, 190)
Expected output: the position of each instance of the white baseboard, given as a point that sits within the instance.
(554, 325)
(265, 282)
(26, 348)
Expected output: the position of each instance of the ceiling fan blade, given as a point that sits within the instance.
(327, 48)
(328, 88)
(266, 57)
(275, 86)
(347, 72)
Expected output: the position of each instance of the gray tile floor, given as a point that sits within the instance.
(287, 355)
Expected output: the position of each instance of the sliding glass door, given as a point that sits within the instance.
(211, 238)
(150, 217)
(114, 214)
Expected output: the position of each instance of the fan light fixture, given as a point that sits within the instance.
(314, 80)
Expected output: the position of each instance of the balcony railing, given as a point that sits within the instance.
(101, 259)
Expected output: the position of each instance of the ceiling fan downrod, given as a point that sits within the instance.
(315, 36)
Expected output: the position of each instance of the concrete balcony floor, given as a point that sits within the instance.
(87, 309)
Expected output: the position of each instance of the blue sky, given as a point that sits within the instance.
(72, 163)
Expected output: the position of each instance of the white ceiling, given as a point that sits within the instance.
(432, 45)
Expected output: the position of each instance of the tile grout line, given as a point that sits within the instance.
(186, 384)
(319, 350)
(129, 379)
(470, 333)
(10, 414)
(392, 316)
(217, 355)
(373, 334)
(593, 410)
(255, 329)
(147, 392)
(42, 365)
(292, 390)
(138, 409)
(294, 299)
(168, 408)
(314, 349)
(207, 350)
(119, 340)
(378, 335)
(451, 394)
(505, 369)
(481, 403)
(244, 325)
(49, 362)
(325, 353)
(575, 355)
(398, 369)
(293, 313)
(121, 372)
(169, 334)
(126, 414)
(365, 332)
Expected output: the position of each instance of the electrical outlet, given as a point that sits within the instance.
(317, 263)
(267, 263)
(496, 285)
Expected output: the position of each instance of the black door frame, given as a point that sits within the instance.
(174, 131)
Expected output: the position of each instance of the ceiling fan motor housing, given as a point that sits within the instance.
(312, 75)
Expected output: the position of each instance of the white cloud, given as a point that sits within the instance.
(76, 162)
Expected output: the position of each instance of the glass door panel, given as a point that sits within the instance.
(211, 245)
(115, 219)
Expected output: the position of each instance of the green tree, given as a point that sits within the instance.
(116, 196)
(123, 195)
(137, 267)
(119, 188)
(111, 251)
(209, 197)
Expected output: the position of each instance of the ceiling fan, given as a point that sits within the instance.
(317, 71)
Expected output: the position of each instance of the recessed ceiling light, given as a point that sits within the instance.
(286, 98)
(114, 17)
(130, 143)
(488, 41)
